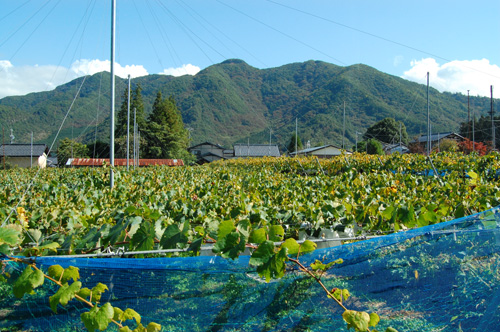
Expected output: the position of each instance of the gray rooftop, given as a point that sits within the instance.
(22, 150)
(436, 137)
(256, 150)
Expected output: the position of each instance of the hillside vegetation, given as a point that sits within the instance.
(233, 102)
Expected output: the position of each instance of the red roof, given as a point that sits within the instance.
(123, 162)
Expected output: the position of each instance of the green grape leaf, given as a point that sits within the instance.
(117, 314)
(84, 293)
(9, 236)
(27, 281)
(276, 233)
(292, 246)
(244, 227)
(143, 239)
(274, 267)
(346, 294)
(153, 327)
(65, 294)
(391, 329)
(358, 320)
(55, 271)
(97, 292)
(374, 319)
(125, 329)
(258, 236)
(5, 249)
(117, 232)
(225, 228)
(98, 318)
(131, 314)
(173, 238)
(307, 247)
(318, 265)
(230, 246)
(70, 272)
(262, 254)
(140, 328)
(196, 245)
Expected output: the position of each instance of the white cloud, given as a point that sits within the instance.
(188, 69)
(20, 80)
(456, 76)
(91, 67)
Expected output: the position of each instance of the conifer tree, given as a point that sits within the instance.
(166, 135)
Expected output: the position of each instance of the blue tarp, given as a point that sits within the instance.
(444, 277)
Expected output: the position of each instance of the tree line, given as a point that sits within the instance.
(161, 135)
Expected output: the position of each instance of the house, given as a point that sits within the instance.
(435, 139)
(393, 148)
(207, 152)
(22, 155)
(98, 162)
(325, 151)
(256, 150)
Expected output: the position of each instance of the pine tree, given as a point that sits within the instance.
(166, 135)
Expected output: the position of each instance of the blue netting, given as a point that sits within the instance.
(444, 277)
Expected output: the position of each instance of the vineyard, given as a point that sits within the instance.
(264, 208)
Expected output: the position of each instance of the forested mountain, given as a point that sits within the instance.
(233, 102)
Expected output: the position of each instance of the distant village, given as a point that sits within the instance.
(35, 155)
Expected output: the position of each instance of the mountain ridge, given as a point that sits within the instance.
(233, 102)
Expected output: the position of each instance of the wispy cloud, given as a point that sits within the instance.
(20, 80)
(188, 69)
(456, 76)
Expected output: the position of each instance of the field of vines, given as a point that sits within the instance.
(185, 207)
(260, 207)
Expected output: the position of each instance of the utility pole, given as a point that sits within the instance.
(492, 121)
(128, 123)
(112, 89)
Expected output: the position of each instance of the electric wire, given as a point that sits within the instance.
(375, 36)
(147, 34)
(224, 34)
(165, 37)
(50, 149)
(13, 11)
(281, 32)
(192, 34)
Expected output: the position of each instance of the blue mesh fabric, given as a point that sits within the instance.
(444, 277)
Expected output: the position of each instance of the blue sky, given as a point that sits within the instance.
(46, 43)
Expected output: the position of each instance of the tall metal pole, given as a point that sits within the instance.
(473, 133)
(492, 121)
(428, 120)
(343, 129)
(31, 149)
(400, 138)
(112, 89)
(3, 145)
(468, 115)
(296, 137)
(128, 123)
(135, 140)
